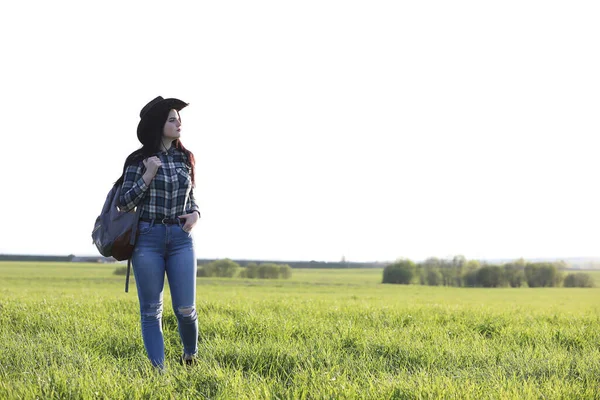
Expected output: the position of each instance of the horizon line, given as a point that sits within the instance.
(325, 261)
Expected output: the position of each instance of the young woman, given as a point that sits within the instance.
(159, 178)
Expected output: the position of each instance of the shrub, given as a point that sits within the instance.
(266, 271)
(400, 272)
(251, 271)
(224, 268)
(120, 271)
(579, 280)
(285, 271)
(542, 275)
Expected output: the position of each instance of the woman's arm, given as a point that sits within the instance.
(192, 214)
(134, 187)
(135, 184)
(193, 205)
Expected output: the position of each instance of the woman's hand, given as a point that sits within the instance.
(152, 164)
(190, 220)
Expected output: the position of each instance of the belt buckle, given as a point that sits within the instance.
(162, 221)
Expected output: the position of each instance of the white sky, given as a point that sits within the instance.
(366, 129)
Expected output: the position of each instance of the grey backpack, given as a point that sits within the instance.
(115, 231)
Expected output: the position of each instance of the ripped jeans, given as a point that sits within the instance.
(161, 249)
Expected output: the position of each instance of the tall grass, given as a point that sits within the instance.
(69, 331)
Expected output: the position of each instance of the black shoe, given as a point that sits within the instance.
(187, 362)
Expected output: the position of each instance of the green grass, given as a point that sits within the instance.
(70, 331)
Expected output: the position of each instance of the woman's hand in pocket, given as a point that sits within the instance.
(190, 220)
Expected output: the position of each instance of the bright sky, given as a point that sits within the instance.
(367, 129)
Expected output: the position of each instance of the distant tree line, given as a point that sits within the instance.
(25, 257)
(461, 272)
(266, 271)
(307, 264)
(226, 268)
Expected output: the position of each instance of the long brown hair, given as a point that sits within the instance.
(153, 146)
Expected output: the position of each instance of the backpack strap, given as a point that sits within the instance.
(135, 226)
(127, 277)
(132, 242)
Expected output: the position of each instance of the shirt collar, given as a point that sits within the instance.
(172, 150)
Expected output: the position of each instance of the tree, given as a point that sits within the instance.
(470, 278)
(268, 271)
(432, 262)
(514, 274)
(472, 265)
(542, 274)
(424, 268)
(579, 280)
(251, 270)
(447, 271)
(285, 271)
(490, 276)
(433, 277)
(224, 268)
(401, 272)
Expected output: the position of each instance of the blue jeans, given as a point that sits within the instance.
(161, 249)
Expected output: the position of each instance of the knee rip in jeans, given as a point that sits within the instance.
(188, 312)
(153, 310)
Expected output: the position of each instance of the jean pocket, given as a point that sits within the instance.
(183, 230)
(144, 227)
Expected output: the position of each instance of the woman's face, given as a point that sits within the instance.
(172, 128)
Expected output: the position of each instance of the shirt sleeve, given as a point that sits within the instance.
(133, 188)
(193, 205)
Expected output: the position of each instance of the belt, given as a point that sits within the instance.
(164, 221)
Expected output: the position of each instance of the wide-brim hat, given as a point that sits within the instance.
(154, 108)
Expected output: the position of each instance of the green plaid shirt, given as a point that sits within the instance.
(170, 192)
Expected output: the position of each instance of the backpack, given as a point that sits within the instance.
(115, 231)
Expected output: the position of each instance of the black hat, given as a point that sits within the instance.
(152, 109)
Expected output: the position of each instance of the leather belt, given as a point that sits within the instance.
(164, 221)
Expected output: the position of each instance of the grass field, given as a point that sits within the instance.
(70, 331)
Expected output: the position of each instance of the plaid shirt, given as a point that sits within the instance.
(171, 193)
